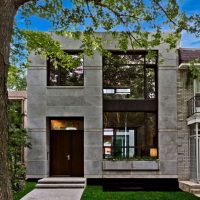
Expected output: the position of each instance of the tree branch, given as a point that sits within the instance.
(91, 15)
(166, 14)
(19, 3)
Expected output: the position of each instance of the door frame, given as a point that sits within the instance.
(50, 131)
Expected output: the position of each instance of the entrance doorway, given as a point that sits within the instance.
(66, 147)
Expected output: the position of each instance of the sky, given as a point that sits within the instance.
(187, 41)
(190, 7)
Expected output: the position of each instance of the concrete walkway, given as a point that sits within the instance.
(54, 194)
(58, 188)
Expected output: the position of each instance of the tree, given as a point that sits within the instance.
(88, 16)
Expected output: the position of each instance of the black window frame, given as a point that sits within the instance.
(145, 65)
(70, 52)
(146, 105)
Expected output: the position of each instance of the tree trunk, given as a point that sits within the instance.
(7, 14)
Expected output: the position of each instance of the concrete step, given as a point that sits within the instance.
(61, 182)
(60, 186)
(187, 186)
(195, 191)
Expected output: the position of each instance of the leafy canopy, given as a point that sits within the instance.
(140, 22)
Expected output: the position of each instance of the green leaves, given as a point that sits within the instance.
(134, 17)
(17, 140)
(16, 78)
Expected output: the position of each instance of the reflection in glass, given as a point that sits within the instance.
(65, 76)
(66, 124)
(129, 134)
(128, 76)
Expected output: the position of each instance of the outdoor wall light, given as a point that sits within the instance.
(153, 152)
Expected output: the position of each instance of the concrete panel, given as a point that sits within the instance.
(37, 60)
(37, 138)
(37, 168)
(92, 167)
(93, 152)
(131, 165)
(64, 91)
(66, 111)
(66, 101)
(93, 111)
(168, 137)
(95, 60)
(168, 104)
(93, 138)
(117, 165)
(168, 167)
(35, 91)
(167, 78)
(168, 152)
(93, 123)
(38, 122)
(37, 152)
(93, 91)
(168, 145)
(93, 100)
(36, 110)
(167, 122)
(36, 99)
(93, 78)
(168, 58)
(37, 77)
(67, 43)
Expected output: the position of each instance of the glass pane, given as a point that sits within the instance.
(66, 76)
(151, 87)
(129, 134)
(197, 82)
(53, 74)
(193, 129)
(126, 75)
(67, 124)
(126, 80)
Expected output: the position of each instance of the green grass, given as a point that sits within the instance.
(27, 188)
(96, 193)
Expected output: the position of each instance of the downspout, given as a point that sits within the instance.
(197, 153)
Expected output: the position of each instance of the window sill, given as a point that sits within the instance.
(137, 165)
(65, 87)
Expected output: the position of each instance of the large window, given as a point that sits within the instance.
(130, 76)
(130, 105)
(65, 75)
(130, 135)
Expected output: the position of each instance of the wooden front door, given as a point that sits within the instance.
(66, 153)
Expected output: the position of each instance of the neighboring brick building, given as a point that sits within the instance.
(188, 117)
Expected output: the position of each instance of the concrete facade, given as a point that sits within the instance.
(87, 101)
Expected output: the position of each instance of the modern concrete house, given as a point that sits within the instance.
(111, 117)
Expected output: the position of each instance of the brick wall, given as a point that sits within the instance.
(184, 93)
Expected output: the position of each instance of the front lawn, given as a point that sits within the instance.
(27, 188)
(96, 193)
